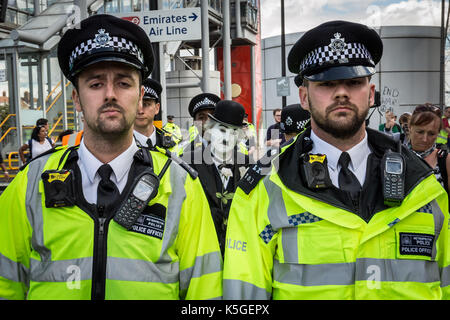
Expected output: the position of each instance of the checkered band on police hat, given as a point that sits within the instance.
(327, 54)
(149, 92)
(114, 43)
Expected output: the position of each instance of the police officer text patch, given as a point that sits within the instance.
(149, 225)
(418, 244)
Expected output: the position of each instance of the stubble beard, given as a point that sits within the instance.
(339, 129)
(108, 128)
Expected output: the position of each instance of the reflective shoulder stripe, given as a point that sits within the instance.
(276, 211)
(34, 204)
(438, 217)
(177, 180)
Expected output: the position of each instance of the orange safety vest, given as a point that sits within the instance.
(73, 139)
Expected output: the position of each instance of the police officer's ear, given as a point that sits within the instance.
(303, 93)
(141, 97)
(157, 107)
(76, 100)
(372, 94)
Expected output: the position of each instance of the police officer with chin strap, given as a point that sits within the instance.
(145, 132)
(107, 219)
(347, 213)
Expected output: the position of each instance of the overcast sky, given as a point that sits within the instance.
(301, 15)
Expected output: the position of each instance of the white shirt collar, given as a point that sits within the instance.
(358, 153)
(120, 165)
(142, 139)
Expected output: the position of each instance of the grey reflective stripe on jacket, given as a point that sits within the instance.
(241, 290)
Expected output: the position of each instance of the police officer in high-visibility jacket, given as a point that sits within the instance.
(145, 132)
(327, 222)
(107, 219)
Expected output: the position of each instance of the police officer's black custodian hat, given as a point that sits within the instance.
(336, 50)
(152, 89)
(202, 101)
(105, 38)
(294, 118)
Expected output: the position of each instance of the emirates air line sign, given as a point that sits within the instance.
(168, 25)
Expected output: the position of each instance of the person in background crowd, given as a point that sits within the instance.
(173, 129)
(293, 121)
(390, 126)
(42, 122)
(425, 125)
(274, 137)
(38, 144)
(320, 226)
(3, 166)
(404, 123)
(249, 141)
(221, 163)
(145, 132)
(199, 107)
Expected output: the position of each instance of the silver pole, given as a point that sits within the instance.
(17, 108)
(205, 46)
(226, 50)
(64, 99)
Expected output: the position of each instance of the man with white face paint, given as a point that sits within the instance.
(221, 165)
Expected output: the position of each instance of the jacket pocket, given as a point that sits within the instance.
(311, 244)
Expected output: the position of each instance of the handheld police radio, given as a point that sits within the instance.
(393, 176)
(144, 188)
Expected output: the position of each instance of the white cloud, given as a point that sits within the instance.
(304, 15)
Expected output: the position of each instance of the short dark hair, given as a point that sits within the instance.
(41, 122)
(276, 110)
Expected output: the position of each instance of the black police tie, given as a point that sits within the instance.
(149, 143)
(107, 191)
(347, 180)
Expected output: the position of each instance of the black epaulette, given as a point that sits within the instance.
(251, 178)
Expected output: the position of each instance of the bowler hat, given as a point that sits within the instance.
(229, 113)
(103, 37)
(336, 50)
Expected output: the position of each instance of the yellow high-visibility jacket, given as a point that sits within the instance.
(70, 253)
(305, 244)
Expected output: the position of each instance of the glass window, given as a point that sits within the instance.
(111, 6)
(125, 6)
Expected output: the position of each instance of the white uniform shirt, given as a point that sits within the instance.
(358, 155)
(89, 165)
(142, 139)
(37, 148)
